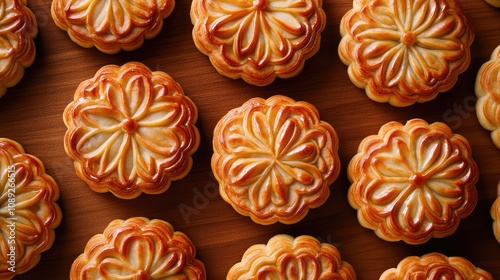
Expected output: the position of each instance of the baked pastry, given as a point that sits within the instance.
(494, 3)
(131, 130)
(138, 248)
(412, 182)
(285, 257)
(487, 90)
(495, 214)
(258, 40)
(29, 213)
(111, 25)
(435, 266)
(275, 159)
(19, 29)
(404, 52)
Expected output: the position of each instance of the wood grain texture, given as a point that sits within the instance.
(31, 114)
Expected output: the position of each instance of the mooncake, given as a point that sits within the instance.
(111, 25)
(130, 131)
(17, 47)
(285, 257)
(413, 182)
(138, 248)
(487, 90)
(495, 214)
(435, 266)
(30, 213)
(402, 52)
(275, 159)
(259, 40)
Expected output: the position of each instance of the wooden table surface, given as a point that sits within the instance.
(31, 114)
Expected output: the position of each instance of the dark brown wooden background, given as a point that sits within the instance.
(31, 113)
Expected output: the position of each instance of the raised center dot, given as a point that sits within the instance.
(417, 180)
(129, 126)
(408, 38)
(260, 4)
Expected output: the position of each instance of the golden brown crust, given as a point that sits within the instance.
(130, 131)
(285, 257)
(487, 90)
(17, 52)
(258, 40)
(494, 3)
(138, 248)
(413, 182)
(29, 209)
(111, 25)
(403, 64)
(435, 266)
(275, 159)
(495, 215)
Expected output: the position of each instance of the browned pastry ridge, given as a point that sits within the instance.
(495, 214)
(111, 25)
(275, 159)
(28, 209)
(131, 131)
(402, 52)
(435, 266)
(285, 257)
(138, 248)
(17, 47)
(258, 40)
(413, 182)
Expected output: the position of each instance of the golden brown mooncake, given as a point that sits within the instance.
(404, 52)
(138, 248)
(29, 213)
(495, 214)
(17, 46)
(494, 3)
(258, 40)
(130, 130)
(413, 182)
(487, 90)
(435, 266)
(111, 25)
(275, 159)
(285, 257)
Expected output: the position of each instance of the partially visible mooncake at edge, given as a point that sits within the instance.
(413, 182)
(275, 159)
(110, 25)
(285, 257)
(258, 40)
(131, 131)
(495, 215)
(19, 29)
(494, 3)
(30, 213)
(435, 266)
(402, 52)
(138, 248)
(487, 90)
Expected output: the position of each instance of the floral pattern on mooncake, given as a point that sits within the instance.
(138, 248)
(285, 257)
(405, 51)
(413, 182)
(18, 29)
(28, 210)
(111, 25)
(258, 40)
(131, 130)
(275, 159)
(435, 266)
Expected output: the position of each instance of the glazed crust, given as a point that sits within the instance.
(35, 213)
(285, 257)
(435, 266)
(111, 25)
(19, 29)
(258, 40)
(130, 131)
(275, 159)
(487, 90)
(138, 248)
(400, 63)
(495, 215)
(412, 182)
